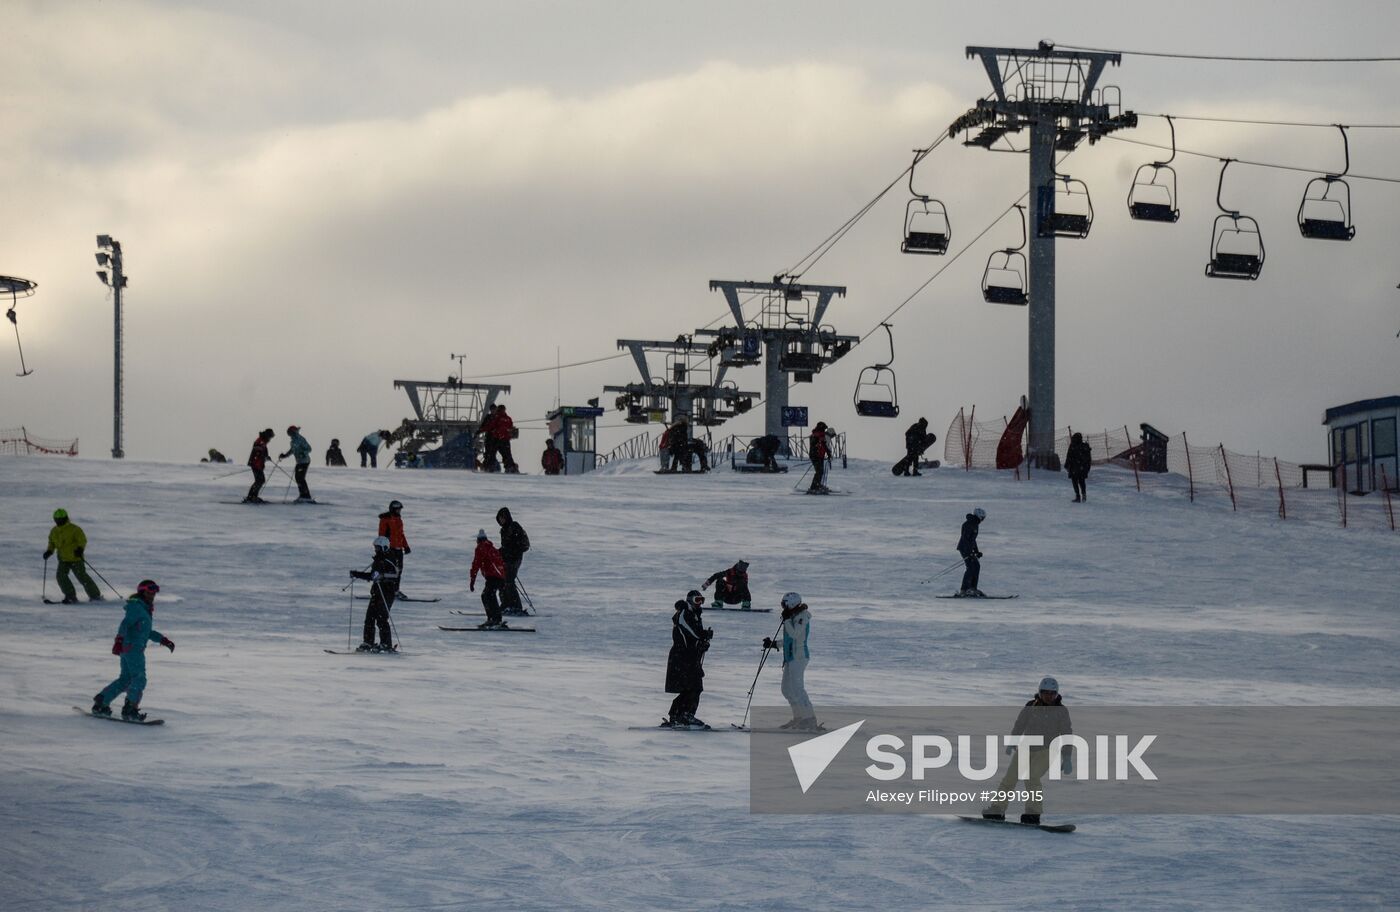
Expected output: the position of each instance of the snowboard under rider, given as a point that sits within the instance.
(1046, 716)
(383, 577)
(67, 538)
(136, 630)
(967, 547)
(685, 672)
(797, 626)
(487, 561)
(731, 586)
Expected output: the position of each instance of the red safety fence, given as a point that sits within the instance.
(19, 442)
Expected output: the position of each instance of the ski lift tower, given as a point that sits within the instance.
(796, 344)
(689, 386)
(1054, 94)
(448, 415)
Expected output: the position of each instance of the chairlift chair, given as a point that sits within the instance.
(1004, 280)
(876, 394)
(1325, 215)
(1154, 199)
(926, 226)
(1236, 246)
(1073, 210)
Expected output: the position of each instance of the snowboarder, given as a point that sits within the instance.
(257, 461)
(383, 577)
(677, 445)
(765, 450)
(685, 673)
(1077, 462)
(391, 527)
(135, 631)
(916, 440)
(216, 456)
(369, 448)
(1044, 715)
(551, 460)
(497, 430)
(334, 457)
(700, 450)
(731, 586)
(514, 544)
(299, 448)
(797, 624)
(487, 561)
(818, 449)
(68, 540)
(967, 547)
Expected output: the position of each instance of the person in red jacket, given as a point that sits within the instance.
(551, 460)
(818, 450)
(503, 430)
(488, 562)
(257, 461)
(391, 527)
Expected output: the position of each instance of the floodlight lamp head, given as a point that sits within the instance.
(104, 240)
(102, 259)
(102, 275)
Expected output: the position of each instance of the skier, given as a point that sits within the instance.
(135, 631)
(488, 561)
(967, 547)
(299, 448)
(383, 577)
(257, 461)
(818, 449)
(334, 457)
(678, 445)
(797, 624)
(916, 440)
(1077, 462)
(551, 460)
(765, 450)
(369, 448)
(514, 544)
(391, 527)
(731, 586)
(685, 673)
(68, 540)
(1044, 715)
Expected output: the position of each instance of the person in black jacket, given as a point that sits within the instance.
(731, 586)
(334, 457)
(1077, 462)
(967, 547)
(383, 577)
(1046, 716)
(678, 446)
(514, 544)
(765, 449)
(916, 440)
(685, 674)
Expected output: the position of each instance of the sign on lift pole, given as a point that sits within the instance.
(116, 282)
(1054, 94)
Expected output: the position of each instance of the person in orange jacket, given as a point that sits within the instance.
(488, 562)
(498, 431)
(391, 527)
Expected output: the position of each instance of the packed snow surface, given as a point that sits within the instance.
(498, 772)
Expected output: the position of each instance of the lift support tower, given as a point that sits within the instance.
(1053, 93)
(688, 386)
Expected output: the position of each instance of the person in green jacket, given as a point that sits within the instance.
(136, 630)
(69, 541)
(302, 451)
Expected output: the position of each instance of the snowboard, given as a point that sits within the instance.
(1047, 827)
(400, 598)
(488, 629)
(737, 608)
(979, 598)
(116, 717)
(357, 652)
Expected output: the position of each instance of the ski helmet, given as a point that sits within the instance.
(395, 505)
(1048, 683)
(147, 587)
(980, 513)
(481, 535)
(695, 597)
(292, 429)
(791, 600)
(60, 514)
(381, 543)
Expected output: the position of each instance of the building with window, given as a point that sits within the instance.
(1363, 443)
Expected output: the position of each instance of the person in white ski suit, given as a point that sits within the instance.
(797, 625)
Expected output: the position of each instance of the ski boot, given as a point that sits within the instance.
(692, 722)
(130, 713)
(97, 598)
(1032, 819)
(808, 725)
(388, 647)
(69, 600)
(670, 722)
(717, 604)
(978, 593)
(306, 500)
(746, 605)
(489, 624)
(365, 647)
(992, 815)
(100, 707)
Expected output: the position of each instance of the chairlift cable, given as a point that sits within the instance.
(1237, 58)
(1257, 164)
(1269, 123)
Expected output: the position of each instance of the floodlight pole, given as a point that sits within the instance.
(117, 283)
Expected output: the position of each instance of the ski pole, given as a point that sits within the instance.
(231, 474)
(802, 479)
(949, 569)
(521, 586)
(350, 616)
(88, 564)
(754, 686)
(351, 584)
(45, 595)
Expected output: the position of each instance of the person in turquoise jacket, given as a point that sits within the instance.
(136, 630)
(302, 451)
(68, 540)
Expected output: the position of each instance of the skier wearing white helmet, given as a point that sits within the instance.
(383, 577)
(967, 547)
(797, 624)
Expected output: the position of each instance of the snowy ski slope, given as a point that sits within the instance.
(479, 772)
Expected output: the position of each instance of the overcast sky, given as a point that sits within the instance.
(317, 198)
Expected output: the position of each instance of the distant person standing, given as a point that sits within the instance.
(383, 578)
(301, 450)
(685, 672)
(334, 457)
(678, 445)
(487, 561)
(391, 528)
(551, 460)
(797, 625)
(369, 448)
(514, 544)
(967, 547)
(498, 430)
(917, 439)
(818, 449)
(68, 540)
(257, 461)
(136, 631)
(1077, 462)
